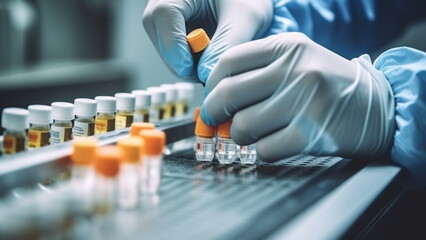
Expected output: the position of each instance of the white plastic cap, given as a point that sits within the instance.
(125, 101)
(171, 92)
(185, 91)
(39, 114)
(85, 107)
(143, 98)
(158, 95)
(62, 111)
(14, 118)
(106, 104)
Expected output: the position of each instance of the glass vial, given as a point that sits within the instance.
(131, 150)
(143, 103)
(125, 110)
(15, 122)
(184, 97)
(61, 129)
(151, 163)
(85, 112)
(40, 118)
(158, 99)
(171, 97)
(107, 167)
(105, 116)
(248, 154)
(227, 149)
(205, 142)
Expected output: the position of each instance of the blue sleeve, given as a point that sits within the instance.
(347, 27)
(405, 69)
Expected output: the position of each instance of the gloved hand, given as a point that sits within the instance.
(227, 22)
(291, 95)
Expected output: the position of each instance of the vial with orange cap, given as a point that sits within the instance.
(107, 167)
(205, 142)
(137, 127)
(153, 156)
(131, 150)
(197, 41)
(227, 149)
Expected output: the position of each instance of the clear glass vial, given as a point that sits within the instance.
(85, 112)
(143, 103)
(184, 97)
(227, 149)
(171, 97)
(158, 99)
(62, 115)
(40, 118)
(248, 154)
(125, 110)
(205, 142)
(105, 116)
(15, 123)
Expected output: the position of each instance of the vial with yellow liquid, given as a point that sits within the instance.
(85, 112)
(61, 129)
(125, 110)
(171, 97)
(158, 100)
(185, 93)
(105, 116)
(143, 103)
(40, 118)
(15, 123)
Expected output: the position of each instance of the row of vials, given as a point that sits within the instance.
(43, 125)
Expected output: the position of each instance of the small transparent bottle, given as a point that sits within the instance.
(85, 112)
(15, 123)
(136, 128)
(184, 97)
(125, 110)
(143, 103)
(107, 167)
(40, 118)
(131, 150)
(158, 99)
(105, 116)
(205, 142)
(151, 161)
(61, 129)
(227, 149)
(171, 97)
(248, 154)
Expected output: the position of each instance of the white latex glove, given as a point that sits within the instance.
(291, 95)
(227, 22)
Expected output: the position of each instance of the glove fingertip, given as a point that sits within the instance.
(203, 72)
(206, 117)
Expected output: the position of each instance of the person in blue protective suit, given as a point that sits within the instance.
(290, 74)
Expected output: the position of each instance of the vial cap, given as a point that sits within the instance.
(125, 101)
(106, 104)
(14, 118)
(85, 107)
(39, 114)
(136, 127)
(62, 111)
(84, 150)
(143, 98)
(185, 91)
(107, 161)
(198, 40)
(158, 95)
(224, 129)
(154, 141)
(131, 149)
(197, 111)
(203, 130)
(171, 92)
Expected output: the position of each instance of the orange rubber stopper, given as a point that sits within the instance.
(107, 161)
(197, 111)
(84, 150)
(135, 128)
(204, 130)
(224, 129)
(198, 40)
(131, 149)
(154, 141)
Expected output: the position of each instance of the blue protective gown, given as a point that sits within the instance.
(353, 27)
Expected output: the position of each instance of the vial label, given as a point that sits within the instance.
(104, 125)
(13, 145)
(38, 138)
(123, 121)
(60, 134)
(82, 129)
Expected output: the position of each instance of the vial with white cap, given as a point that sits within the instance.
(143, 103)
(85, 112)
(15, 122)
(158, 99)
(40, 118)
(105, 116)
(125, 110)
(184, 97)
(61, 129)
(171, 96)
